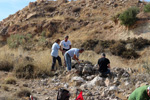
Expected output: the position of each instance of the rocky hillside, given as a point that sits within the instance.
(83, 77)
(81, 18)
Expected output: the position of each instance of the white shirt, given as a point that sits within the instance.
(65, 45)
(55, 48)
(73, 51)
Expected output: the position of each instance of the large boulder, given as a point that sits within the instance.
(87, 69)
(32, 15)
(77, 80)
(97, 81)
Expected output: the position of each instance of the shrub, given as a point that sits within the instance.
(24, 70)
(43, 33)
(129, 54)
(128, 17)
(6, 66)
(89, 44)
(106, 43)
(147, 8)
(29, 70)
(138, 43)
(10, 80)
(15, 40)
(23, 93)
(117, 48)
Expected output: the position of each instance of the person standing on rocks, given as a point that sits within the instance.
(141, 93)
(54, 54)
(74, 54)
(104, 65)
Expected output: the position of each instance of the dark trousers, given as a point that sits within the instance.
(64, 56)
(54, 61)
(65, 51)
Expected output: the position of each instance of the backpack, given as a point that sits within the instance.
(63, 94)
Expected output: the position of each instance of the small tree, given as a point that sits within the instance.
(128, 17)
(147, 8)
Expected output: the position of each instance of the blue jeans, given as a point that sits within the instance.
(107, 72)
(54, 61)
(68, 61)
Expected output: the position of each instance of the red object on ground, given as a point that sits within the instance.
(80, 97)
(31, 97)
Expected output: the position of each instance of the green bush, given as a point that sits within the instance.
(15, 40)
(128, 17)
(147, 8)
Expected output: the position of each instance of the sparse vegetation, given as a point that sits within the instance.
(117, 48)
(30, 70)
(146, 66)
(115, 18)
(90, 44)
(10, 80)
(24, 70)
(5, 87)
(138, 43)
(6, 65)
(23, 93)
(128, 17)
(129, 54)
(15, 40)
(147, 8)
(43, 33)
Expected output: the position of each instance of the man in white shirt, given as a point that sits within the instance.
(65, 44)
(72, 53)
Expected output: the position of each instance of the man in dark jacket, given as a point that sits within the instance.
(104, 65)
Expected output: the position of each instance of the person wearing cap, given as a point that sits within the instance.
(141, 93)
(65, 44)
(104, 65)
(74, 54)
(54, 54)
